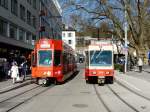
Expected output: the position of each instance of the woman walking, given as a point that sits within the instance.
(14, 72)
(140, 64)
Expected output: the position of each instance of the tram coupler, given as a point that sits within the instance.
(101, 80)
(43, 81)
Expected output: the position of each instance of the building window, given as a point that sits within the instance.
(42, 6)
(69, 42)
(69, 34)
(33, 39)
(14, 7)
(13, 31)
(29, 17)
(3, 27)
(22, 12)
(28, 35)
(34, 4)
(4, 3)
(29, 1)
(34, 21)
(21, 34)
(64, 35)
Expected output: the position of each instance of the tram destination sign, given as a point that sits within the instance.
(44, 44)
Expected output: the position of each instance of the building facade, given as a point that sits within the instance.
(69, 37)
(20, 23)
(52, 19)
(82, 42)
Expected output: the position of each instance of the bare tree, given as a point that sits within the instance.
(138, 16)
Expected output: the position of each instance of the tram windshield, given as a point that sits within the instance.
(100, 58)
(45, 57)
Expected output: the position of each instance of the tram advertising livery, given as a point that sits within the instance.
(52, 61)
(99, 62)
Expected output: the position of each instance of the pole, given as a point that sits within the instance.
(126, 51)
(97, 34)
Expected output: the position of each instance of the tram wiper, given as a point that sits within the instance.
(99, 52)
(93, 55)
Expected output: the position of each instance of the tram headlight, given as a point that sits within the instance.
(59, 72)
(48, 73)
(107, 72)
(94, 73)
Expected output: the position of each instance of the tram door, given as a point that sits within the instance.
(87, 59)
(33, 62)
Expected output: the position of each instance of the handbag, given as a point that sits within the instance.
(18, 78)
(9, 73)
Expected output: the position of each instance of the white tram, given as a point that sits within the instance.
(99, 62)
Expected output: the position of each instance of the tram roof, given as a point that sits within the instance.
(101, 44)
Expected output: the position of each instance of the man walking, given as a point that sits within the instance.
(24, 69)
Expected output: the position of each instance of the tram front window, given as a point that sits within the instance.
(100, 58)
(45, 58)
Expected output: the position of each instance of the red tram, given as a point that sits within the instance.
(52, 60)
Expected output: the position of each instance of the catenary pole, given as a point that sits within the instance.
(126, 29)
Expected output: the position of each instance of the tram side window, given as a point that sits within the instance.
(57, 58)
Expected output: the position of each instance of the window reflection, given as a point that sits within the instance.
(45, 57)
(101, 58)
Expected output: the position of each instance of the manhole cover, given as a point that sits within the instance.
(80, 105)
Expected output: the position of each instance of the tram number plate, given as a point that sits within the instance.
(101, 76)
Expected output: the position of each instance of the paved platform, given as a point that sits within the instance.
(145, 74)
(139, 82)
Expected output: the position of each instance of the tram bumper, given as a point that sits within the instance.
(99, 73)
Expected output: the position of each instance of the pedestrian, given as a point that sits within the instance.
(24, 69)
(14, 72)
(12, 63)
(149, 62)
(6, 68)
(140, 64)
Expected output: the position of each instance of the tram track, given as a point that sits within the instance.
(117, 96)
(8, 89)
(23, 97)
(120, 98)
(101, 100)
(18, 94)
(129, 89)
(9, 110)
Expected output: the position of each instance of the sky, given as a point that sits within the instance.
(91, 5)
